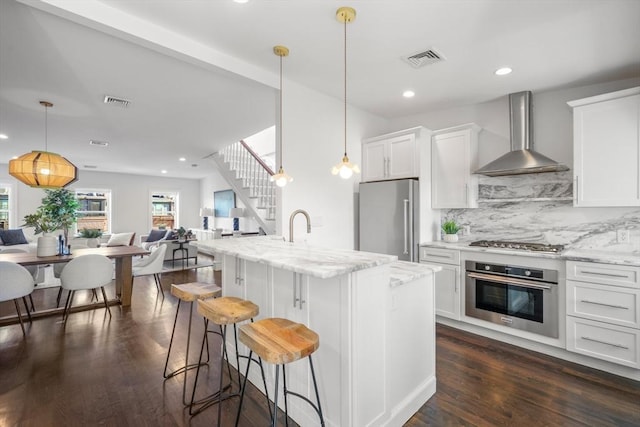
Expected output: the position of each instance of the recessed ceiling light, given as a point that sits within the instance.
(14, 157)
(408, 94)
(182, 159)
(241, 1)
(503, 71)
(3, 136)
(163, 171)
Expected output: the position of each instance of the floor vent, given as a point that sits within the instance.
(108, 99)
(422, 58)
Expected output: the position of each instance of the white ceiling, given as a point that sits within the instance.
(201, 74)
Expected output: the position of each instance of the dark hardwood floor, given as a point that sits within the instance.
(108, 371)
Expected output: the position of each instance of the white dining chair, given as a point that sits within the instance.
(36, 271)
(86, 272)
(16, 282)
(151, 265)
(58, 267)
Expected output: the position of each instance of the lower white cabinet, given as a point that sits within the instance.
(446, 281)
(604, 341)
(603, 311)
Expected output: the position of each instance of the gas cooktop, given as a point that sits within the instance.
(522, 246)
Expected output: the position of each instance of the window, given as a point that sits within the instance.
(94, 210)
(164, 209)
(7, 206)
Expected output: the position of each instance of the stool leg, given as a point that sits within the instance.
(173, 331)
(274, 420)
(224, 347)
(24, 301)
(284, 393)
(315, 387)
(195, 382)
(186, 356)
(244, 385)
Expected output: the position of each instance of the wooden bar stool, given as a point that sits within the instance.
(281, 341)
(222, 312)
(188, 292)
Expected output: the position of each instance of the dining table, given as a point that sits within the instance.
(123, 256)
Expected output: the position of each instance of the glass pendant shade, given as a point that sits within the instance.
(42, 169)
(281, 178)
(345, 168)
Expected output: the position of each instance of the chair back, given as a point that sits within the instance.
(87, 272)
(153, 263)
(15, 281)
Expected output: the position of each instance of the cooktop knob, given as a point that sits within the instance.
(487, 267)
(527, 273)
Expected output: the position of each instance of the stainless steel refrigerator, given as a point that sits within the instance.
(390, 218)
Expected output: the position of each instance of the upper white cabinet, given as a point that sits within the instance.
(606, 149)
(391, 156)
(454, 156)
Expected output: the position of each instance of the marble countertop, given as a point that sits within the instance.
(587, 255)
(404, 272)
(298, 257)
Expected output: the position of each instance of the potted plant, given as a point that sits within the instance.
(62, 205)
(44, 223)
(92, 235)
(450, 229)
(58, 211)
(181, 233)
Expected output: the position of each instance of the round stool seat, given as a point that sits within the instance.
(190, 292)
(227, 310)
(279, 341)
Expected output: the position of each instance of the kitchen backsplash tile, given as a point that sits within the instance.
(539, 208)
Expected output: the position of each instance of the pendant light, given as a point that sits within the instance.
(345, 168)
(42, 169)
(281, 178)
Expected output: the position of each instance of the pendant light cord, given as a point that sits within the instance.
(280, 112)
(46, 147)
(345, 88)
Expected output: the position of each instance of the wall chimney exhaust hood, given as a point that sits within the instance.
(521, 159)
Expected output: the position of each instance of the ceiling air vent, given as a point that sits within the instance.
(121, 102)
(90, 167)
(98, 143)
(422, 58)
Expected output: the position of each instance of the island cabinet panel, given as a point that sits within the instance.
(375, 365)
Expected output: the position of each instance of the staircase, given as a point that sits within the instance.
(249, 178)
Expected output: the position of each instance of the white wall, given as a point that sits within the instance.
(313, 141)
(552, 121)
(131, 206)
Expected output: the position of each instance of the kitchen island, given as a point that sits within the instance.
(374, 315)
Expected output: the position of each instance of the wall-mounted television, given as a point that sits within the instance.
(223, 201)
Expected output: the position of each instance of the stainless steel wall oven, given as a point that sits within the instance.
(515, 296)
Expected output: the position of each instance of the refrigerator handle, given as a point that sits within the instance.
(406, 226)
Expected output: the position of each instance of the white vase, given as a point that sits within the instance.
(47, 245)
(450, 238)
(93, 242)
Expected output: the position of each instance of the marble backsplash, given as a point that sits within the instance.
(539, 208)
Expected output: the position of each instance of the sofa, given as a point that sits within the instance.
(191, 251)
(28, 242)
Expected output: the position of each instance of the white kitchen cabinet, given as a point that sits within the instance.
(454, 156)
(446, 281)
(606, 149)
(391, 156)
(603, 311)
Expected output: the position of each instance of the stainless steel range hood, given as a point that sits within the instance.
(521, 159)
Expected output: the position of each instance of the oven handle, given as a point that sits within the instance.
(508, 280)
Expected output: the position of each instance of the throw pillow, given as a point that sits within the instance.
(13, 237)
(119, 239)
(155, 235)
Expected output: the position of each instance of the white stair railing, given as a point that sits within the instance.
(252, 182)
